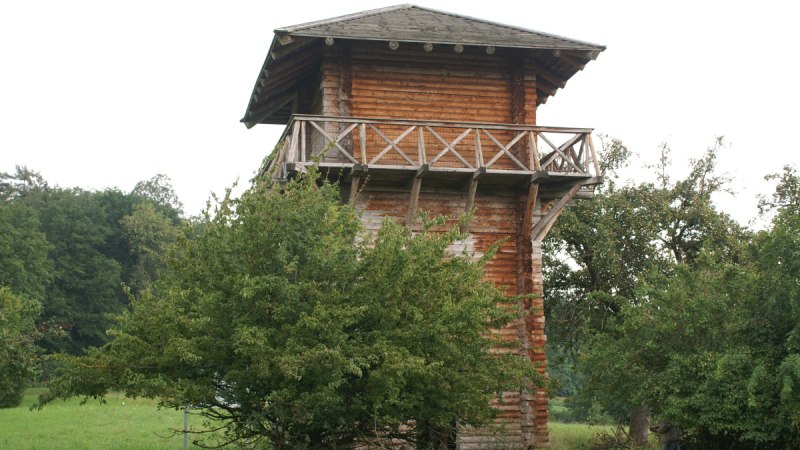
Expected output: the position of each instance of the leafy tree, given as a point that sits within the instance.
(283, 322)
(17, 347)
(20, 184)
(86, 283)
(710, 346)
(24, 267)
(787, 193)
(603, 253)
(149, 233)
(159, 190)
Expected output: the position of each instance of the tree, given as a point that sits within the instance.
(603, 253)
(149, 233)
(21, 183)
(159, 190)
(24, 267)
(17, 347)
(285, 323)
(86, 284)
(711, 345)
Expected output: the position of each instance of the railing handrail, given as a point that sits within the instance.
(574, 156)
(435, 123)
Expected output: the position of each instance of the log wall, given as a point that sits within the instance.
(368, 79)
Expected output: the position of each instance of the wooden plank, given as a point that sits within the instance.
(362, 134)
(504, 149)
(392, 144)
(449, 146)
(541, 229)
(414, 200)
(530, 204)
(597, 170)
(421, 146)
(303, 147)
(478, 149)
(335, 140)
(440, 123)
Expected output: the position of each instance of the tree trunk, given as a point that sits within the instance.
(639, 426)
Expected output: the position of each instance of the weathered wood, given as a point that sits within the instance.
(439, 123)
(362, 133)
(392, 144)
(541, 229)
(334, 141)
(530, 204)
(414, 200)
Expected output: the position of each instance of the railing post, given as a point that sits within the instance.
(362, 135)
(303, 146)
(597, 171)
(292, 156)
(478, 149)
(534, 152)
(421, 147)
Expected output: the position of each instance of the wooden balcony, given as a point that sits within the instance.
(393, 152)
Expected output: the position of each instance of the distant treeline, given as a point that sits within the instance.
(79, 253)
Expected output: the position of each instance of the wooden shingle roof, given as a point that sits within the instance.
(410, 23)
(296, 51)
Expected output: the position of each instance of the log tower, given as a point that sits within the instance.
(414, 109)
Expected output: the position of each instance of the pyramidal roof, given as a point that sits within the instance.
(411, 23)
(297, 51)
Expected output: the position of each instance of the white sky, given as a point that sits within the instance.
(106, 93)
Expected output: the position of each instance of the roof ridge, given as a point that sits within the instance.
(357, 15)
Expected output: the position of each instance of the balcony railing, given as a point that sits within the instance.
(499, 153)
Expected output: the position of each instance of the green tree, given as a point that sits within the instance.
(602, 254)
(149, 233)
(86, 283)
(285, 323)
(712, 345)
(159, 190)
(24, 267)
(17, 347)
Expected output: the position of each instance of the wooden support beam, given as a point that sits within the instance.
(572, 60)
(530, 205)
(412, 204)
(299, 43)
(355, 188)
(551, 77)
(473, 189)
(541, 228)
(273, 106)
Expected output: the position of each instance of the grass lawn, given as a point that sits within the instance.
(125, 424)
(571, 436)
(576, 436)
(121, 423)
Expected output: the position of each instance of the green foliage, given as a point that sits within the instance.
(17, 348)
(668, 305)
(67, 248)
(149, 233)
(24, 266)
(159, 191)
(288, 324)
(86, 282)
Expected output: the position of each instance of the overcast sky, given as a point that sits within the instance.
(106, 93)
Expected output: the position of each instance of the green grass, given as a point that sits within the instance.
(126, 424)
(120, 424)
(571, 436)
(576, 436)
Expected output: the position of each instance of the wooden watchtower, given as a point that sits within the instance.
(416, 109)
